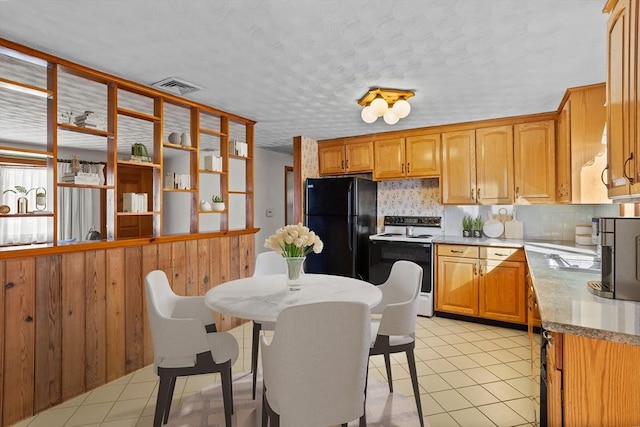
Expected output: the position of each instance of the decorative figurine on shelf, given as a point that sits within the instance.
(41, 198)
(205, 206)
(75, 164)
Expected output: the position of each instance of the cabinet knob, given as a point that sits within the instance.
(602, 176)
(408, 167)
(475, 269)
(457, 251)
(478, 194)
(472, 195)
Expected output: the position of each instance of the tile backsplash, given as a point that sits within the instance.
(421, 197)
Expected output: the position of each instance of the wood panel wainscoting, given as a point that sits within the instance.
(76, 320)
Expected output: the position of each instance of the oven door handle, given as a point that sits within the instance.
(408, 244)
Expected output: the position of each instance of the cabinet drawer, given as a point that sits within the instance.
(458, 251)
(511, 254)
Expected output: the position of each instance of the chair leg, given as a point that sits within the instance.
(172, 387)
(411, 361)
(363, 418)
(163, 395)
(264, 406)
(254, 354)
(387, 364)
(227, 393)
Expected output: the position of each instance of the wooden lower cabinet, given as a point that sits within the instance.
(482, 282)
(502, 291)
(592, 382)
(457, 285)
(74, 321)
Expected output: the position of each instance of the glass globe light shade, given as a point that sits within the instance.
(368, 116)
(401, 108)
(390, 117)
(379, 106)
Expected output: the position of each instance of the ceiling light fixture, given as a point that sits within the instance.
(390, 104)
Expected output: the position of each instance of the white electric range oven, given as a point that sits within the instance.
(406, 238)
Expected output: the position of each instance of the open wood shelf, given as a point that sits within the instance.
(138, 164)
(138, 115)
(137, 213)
(90, 186)
(177, 146)
(28, 214)
(25, 88)
(86, 130)
(26, 151)
(179, 190)
(211, 171)
(212, 132)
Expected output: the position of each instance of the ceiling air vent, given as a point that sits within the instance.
(177, 86)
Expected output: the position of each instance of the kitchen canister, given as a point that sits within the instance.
(583, 234)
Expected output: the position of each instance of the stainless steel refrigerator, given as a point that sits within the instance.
(342, 211)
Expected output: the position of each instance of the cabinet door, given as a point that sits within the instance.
(554, 383)
(502, 290)
(457, 285)
(588, 153)
(389, 160)
(359, 156)
(618, 93)
(563, 155)
(331, 159)
(535, 175)
(423, 155)
(458, 168)
(494, 165)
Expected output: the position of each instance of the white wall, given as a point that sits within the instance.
(268, 192)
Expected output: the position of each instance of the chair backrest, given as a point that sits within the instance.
(269, 263)
(399, 304)
(176, 341)
(317, 366)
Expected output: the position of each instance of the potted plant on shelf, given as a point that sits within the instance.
(217, 203)
(477, 226)
(139, 153)
(467, 225)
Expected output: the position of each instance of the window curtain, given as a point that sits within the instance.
(23, 230)
(78, 208)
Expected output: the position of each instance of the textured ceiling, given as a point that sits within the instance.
(298, 67)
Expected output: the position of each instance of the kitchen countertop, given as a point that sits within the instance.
(565, 304)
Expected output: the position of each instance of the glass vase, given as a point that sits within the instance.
(294, 272)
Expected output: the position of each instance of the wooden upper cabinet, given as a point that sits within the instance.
(534, 148)
(477, 166)
(389, 158)
(331, 158)
(423, 155)
(340, 157)
(494, 165)
(458, 168)
(411, 157)
(581, 157)
(619, 81)
(359, 156)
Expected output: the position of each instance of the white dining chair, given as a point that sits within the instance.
(315, 367)
(266, 263)
(394, 331)
(183, 344)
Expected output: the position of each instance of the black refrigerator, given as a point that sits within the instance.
(342, 211)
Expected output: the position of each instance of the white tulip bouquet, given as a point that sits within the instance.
(294, 241)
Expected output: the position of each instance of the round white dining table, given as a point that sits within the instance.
(261, 298)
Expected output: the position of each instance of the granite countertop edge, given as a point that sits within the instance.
(565, 304)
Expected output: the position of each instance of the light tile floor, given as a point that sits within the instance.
(470, 375)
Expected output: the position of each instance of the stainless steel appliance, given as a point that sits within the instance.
(406, 238)
(619, 243)
(342, 211)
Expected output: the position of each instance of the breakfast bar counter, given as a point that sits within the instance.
(566, 306)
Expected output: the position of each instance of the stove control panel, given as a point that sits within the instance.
(431, 221)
